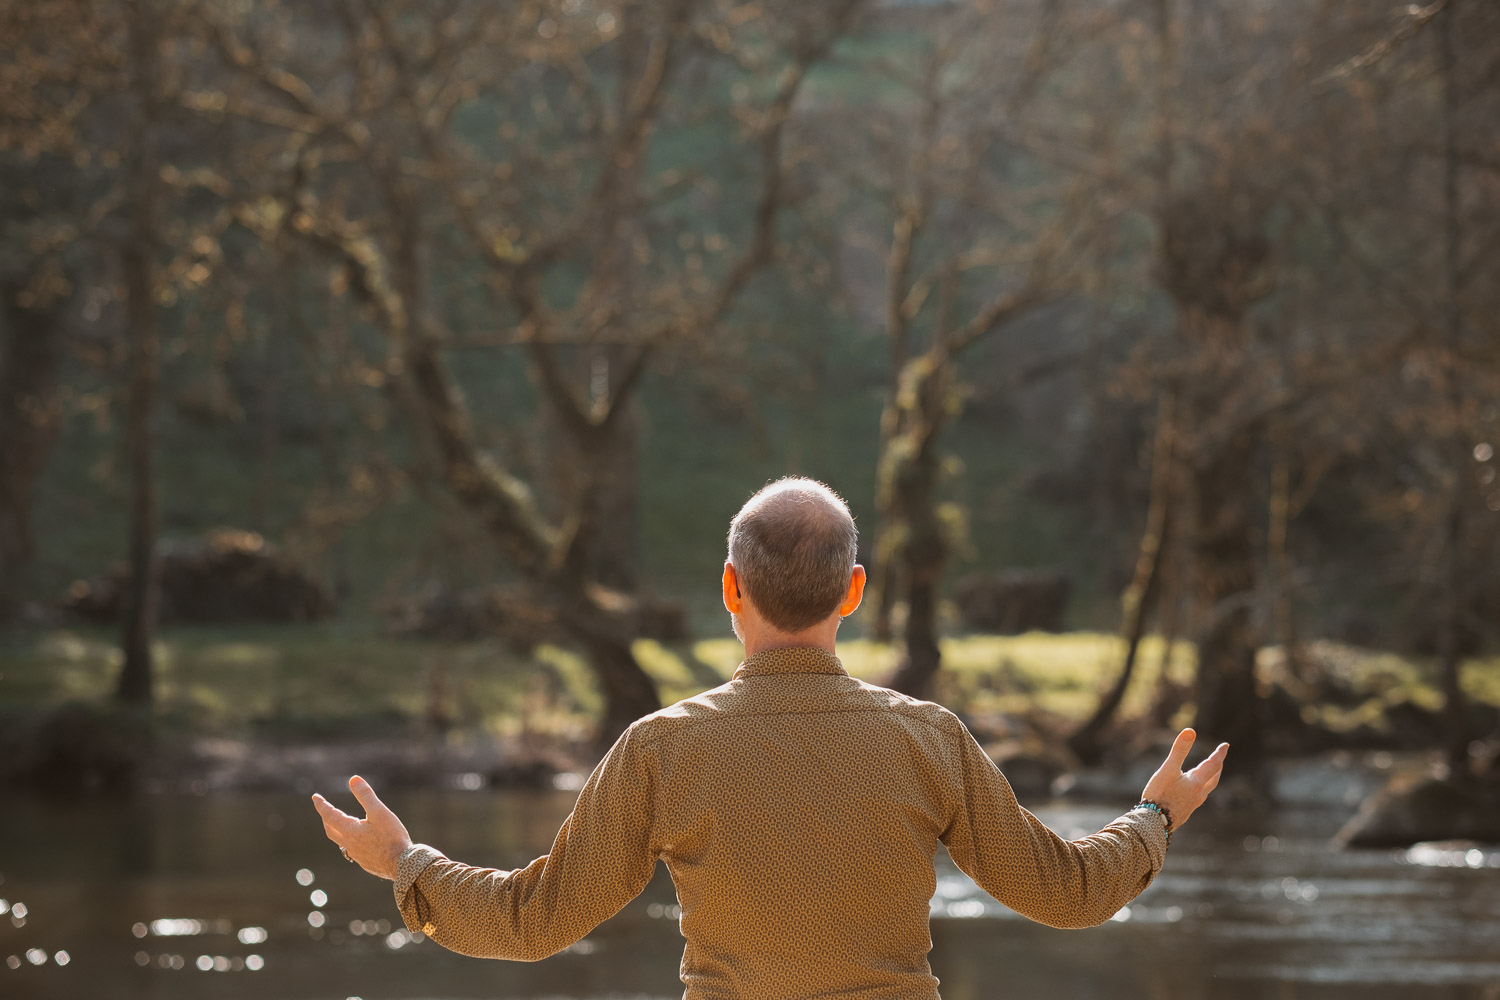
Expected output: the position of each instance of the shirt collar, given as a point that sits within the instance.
(790, 660)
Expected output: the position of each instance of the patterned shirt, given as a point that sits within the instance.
(798, 811)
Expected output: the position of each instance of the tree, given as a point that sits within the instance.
(1417, 231)
(1296, 339)
(563, 208)
(40, 188)
(94, 134)
(142, 329)
(989, 213)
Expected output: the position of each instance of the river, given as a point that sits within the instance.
(238, 895)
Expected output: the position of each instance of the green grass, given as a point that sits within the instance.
(324, 683)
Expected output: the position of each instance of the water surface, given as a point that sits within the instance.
(238, 895)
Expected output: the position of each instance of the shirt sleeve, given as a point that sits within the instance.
(1014, 857)
(601, 859)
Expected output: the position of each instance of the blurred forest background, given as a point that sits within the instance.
(391, 370)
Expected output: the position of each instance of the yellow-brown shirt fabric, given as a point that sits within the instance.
(798, 811)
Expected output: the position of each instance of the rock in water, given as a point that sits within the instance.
(78, 746)
(1431, 808)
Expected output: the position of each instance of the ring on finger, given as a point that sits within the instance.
(345, 852)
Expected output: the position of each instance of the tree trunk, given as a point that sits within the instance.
(884, 584)
(1455, 701)
(924, 404)
(274, 374)
(30, 419)
(601, 481)
(617, 555)
(610, 475)
(138, 264)
(1140, 597)
(1454, 590)
(598, 619)
(922, 658)
(915, 470)
(1168, 697)
(1223, 593)
(1279, 553)
(885, 554)
(885, 577)
(629, 692)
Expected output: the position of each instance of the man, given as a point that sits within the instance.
(798, 810)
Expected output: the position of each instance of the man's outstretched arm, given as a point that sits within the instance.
(1014, 857)
(601, 859)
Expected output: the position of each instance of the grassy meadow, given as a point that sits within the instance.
(327, 684)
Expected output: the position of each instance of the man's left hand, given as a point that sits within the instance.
(376, 842)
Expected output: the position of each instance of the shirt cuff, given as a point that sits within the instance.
(412, 863)
(1151, 827)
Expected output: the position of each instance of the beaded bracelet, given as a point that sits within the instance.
(1160, 810)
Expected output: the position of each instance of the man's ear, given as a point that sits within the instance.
(733, 602)
(856, 592)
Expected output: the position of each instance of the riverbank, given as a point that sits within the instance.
(270, 707)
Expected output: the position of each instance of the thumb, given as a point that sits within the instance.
(1180, 747)
(366, 795)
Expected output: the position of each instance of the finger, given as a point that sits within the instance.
(1212, 764)
(1180, 747)
(327, 809)
(337, 836)
(333, 817)
(366, 795)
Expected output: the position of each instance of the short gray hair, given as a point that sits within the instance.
(793, 546)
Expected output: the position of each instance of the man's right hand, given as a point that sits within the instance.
(1178, 793)
(376, 842)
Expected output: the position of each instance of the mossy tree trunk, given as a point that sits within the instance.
(911, 472)
(922, 529)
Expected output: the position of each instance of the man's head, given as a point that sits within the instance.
(792, 554)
